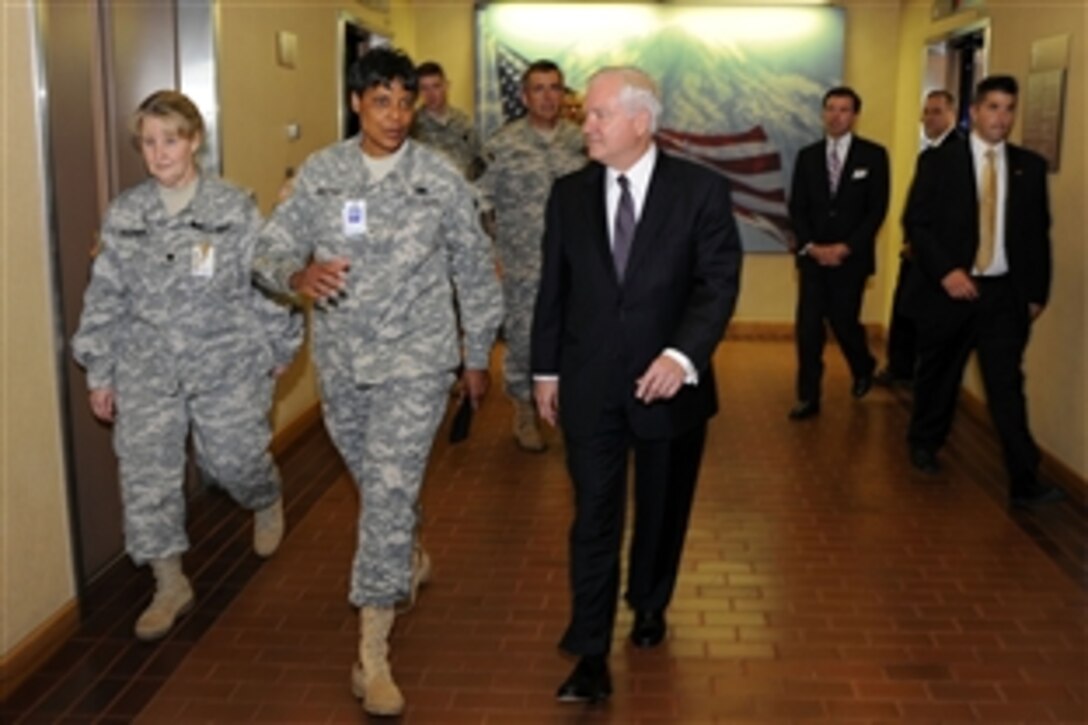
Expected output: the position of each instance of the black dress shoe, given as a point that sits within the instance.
(925, 461)
(1036, 495)
(862, 386)
(648, 629)
(804, 409)
(589, 682)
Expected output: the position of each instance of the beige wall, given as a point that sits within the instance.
(36, 576)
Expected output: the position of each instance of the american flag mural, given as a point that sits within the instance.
(754, 168)
(741, 86)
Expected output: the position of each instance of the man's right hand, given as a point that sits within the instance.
(102, 404)
(959, 285)
(321, 280)
(546, 395)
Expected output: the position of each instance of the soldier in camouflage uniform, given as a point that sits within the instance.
(522, 160)
(174, 335)
(382, 232)
(443, 127)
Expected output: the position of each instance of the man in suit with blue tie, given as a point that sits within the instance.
(838, 200)
(640, 277)
(978, 218)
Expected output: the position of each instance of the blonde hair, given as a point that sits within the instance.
(171, 106)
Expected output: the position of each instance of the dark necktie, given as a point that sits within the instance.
(623, 232)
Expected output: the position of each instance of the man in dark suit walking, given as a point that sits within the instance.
(938, 127)
(978, 218)
(837, 203)
(640, 277)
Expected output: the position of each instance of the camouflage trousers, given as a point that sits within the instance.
(519, 298)
(231, 433)
(384, 433)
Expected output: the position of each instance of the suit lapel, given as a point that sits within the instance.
(659, 198)
(596, 217)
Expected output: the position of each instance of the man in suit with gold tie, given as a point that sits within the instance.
(979, 221)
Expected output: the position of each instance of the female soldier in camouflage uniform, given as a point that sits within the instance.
(174, 336)
(383, 232)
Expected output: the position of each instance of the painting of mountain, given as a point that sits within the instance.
(741, 86)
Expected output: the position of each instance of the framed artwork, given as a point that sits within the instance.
(741, 86)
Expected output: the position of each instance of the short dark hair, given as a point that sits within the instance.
(844, 92)
(1002, 84)
(947, 96)
(380, 67)
(540, 66)
(430, 68)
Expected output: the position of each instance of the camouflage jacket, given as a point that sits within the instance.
(456, 138)
(171, 304)
(521, 166)
(418, 243)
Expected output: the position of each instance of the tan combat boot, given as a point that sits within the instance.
(173, 598)
(370, 677)
(421, 574)
(268, 529)
(526, 428)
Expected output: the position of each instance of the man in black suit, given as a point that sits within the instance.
(837, 203)
(938, 127)
(978, 218)
(640, 277)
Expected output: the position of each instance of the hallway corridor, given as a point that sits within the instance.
(823, 580)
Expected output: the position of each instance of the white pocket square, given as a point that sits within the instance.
(860, 173)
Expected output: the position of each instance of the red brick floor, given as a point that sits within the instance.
(822, 580)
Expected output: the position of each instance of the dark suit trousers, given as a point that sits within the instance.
(832, 294)
(997, 327)
(665, 475)
(902, 333)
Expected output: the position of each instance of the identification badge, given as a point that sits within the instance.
(353, 217)
(203, 260)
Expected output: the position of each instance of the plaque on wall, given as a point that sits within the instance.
(1043, 105)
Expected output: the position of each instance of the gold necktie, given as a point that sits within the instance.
(987, 213)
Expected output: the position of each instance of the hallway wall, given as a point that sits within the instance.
(36, 576)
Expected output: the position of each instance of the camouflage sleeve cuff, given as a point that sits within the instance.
(100, 376)
(477, 354)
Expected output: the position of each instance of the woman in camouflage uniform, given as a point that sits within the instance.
(175, 338)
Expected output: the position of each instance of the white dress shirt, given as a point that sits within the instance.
(842, 146)
(1000, 263)
(638, 182)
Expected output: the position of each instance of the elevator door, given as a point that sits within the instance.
(101, 59)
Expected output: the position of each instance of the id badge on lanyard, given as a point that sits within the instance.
(353, 217)
(203, 260)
